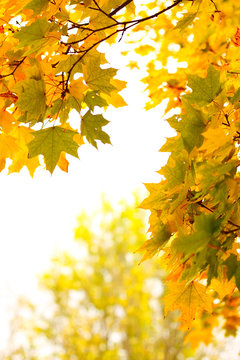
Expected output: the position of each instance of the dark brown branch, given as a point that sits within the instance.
(126, 24)
(115, 11)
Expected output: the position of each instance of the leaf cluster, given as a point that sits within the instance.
(194, 221)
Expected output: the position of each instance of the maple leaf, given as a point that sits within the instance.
(92, 99)
(204, 90)
(191, 125)
(91, 127)
(223, 287)
(32, 98)
(33, 35)
(50, 143)
(189, 299)
(206, 227)
(97, 78)
(77, 88)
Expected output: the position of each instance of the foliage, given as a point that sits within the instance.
(194, 220)
(100, 304)
(51, 64)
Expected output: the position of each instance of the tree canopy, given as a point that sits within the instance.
(51, 64)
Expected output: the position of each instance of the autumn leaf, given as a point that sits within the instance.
(189, 299)
(204, 90)
(50, 143)
(77, 88)
(91, 127)
(31, 98)
(33, 35)
(97, 78)
(92, 99)
(223, 287)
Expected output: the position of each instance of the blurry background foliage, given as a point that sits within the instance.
(96, 303)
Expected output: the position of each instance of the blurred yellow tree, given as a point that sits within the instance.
(100, 304)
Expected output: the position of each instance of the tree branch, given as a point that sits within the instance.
(120, 7)
(125, 26)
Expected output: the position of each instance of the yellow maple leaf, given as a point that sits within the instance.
(114, 99)
(190, 299)
(6, 121)
(215, 139)
(79, 139)
(20, 160)
(77, 88)
(8, 146)
(223, 287)
(22, 136)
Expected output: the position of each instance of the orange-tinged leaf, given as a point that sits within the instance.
(79, 139)
(6, 121)
(223, 287)
(63, 162)
(2, 163)
(236, 39)
(114, 99)
(190, 299)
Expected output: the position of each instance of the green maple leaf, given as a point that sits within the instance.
(191, 125)
(92, 99)
(31, 98)
(62, 107)
(231, 264)
(33, 35)
(174, 171)
(50, 143)
(206, 227)
(156, 243)
(98, 78)
(204, 90)
(91, 127)
(66, 64)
